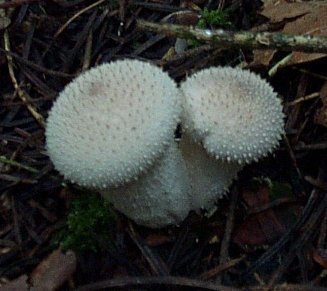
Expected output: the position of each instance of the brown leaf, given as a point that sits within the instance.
(278, 11)
(249, 233)
(320, 257)
(321, 116)
(18, 284)
(263, 227)
(154, 240)
(321, 113)
(255, 199)
(323, 93)
(54, 271)
(263, 57)
(314, 23)
(302, 18)
(185, 18)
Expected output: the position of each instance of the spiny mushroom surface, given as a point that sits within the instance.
(209, 179)
(160, 197)
(112, 123)
(234, 113)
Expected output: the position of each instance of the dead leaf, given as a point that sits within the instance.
(278, 11)
(323, 93)
(321, 113)
(18, 284)
(302, 18)
(313, 23)
(249, 233)
(53, 271)
(320, 257)
(184, 17)
(262, 227)
(321, 116)
(263, 57)
(154, 240)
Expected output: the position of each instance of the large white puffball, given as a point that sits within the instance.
(112, 123)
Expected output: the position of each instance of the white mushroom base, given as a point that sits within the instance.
(160, 197)
(185, 179)
(209, 178)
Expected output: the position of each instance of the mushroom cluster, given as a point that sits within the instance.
(112, 129)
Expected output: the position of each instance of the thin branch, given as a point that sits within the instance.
(38, 117)
(165, 280)
(69, 21)
(221, 268)
(35, 66)
(4, 160)
(157, 265)
(304, 98)
(184, 282)
(259, 40)
(224, 253)
(302, 240)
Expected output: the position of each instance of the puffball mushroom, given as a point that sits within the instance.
(160, 197)
(234, 113)
(209, 179)
(112, 123)
(111, 130)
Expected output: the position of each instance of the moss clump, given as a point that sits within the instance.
(211, 19)
(89, 222)
(276, 189)
(280, 190)
(214, 18)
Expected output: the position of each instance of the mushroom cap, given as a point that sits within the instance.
(209, 178)
(112, 123)
(234, 113)
(160, 197)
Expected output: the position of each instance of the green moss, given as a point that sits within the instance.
(90, 220)
(280, 190)
(276, 189)
(214, 18)
(211, 19)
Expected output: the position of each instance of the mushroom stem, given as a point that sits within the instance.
(159, 197)
(209, 179)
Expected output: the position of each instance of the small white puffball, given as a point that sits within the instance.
(112, 123)
(159, 197)
(209, 178)
(234, 113)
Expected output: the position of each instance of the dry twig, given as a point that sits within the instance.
(165, 280)
(259, 40)
(38, 117)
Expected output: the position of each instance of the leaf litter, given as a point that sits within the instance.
(297, 18)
